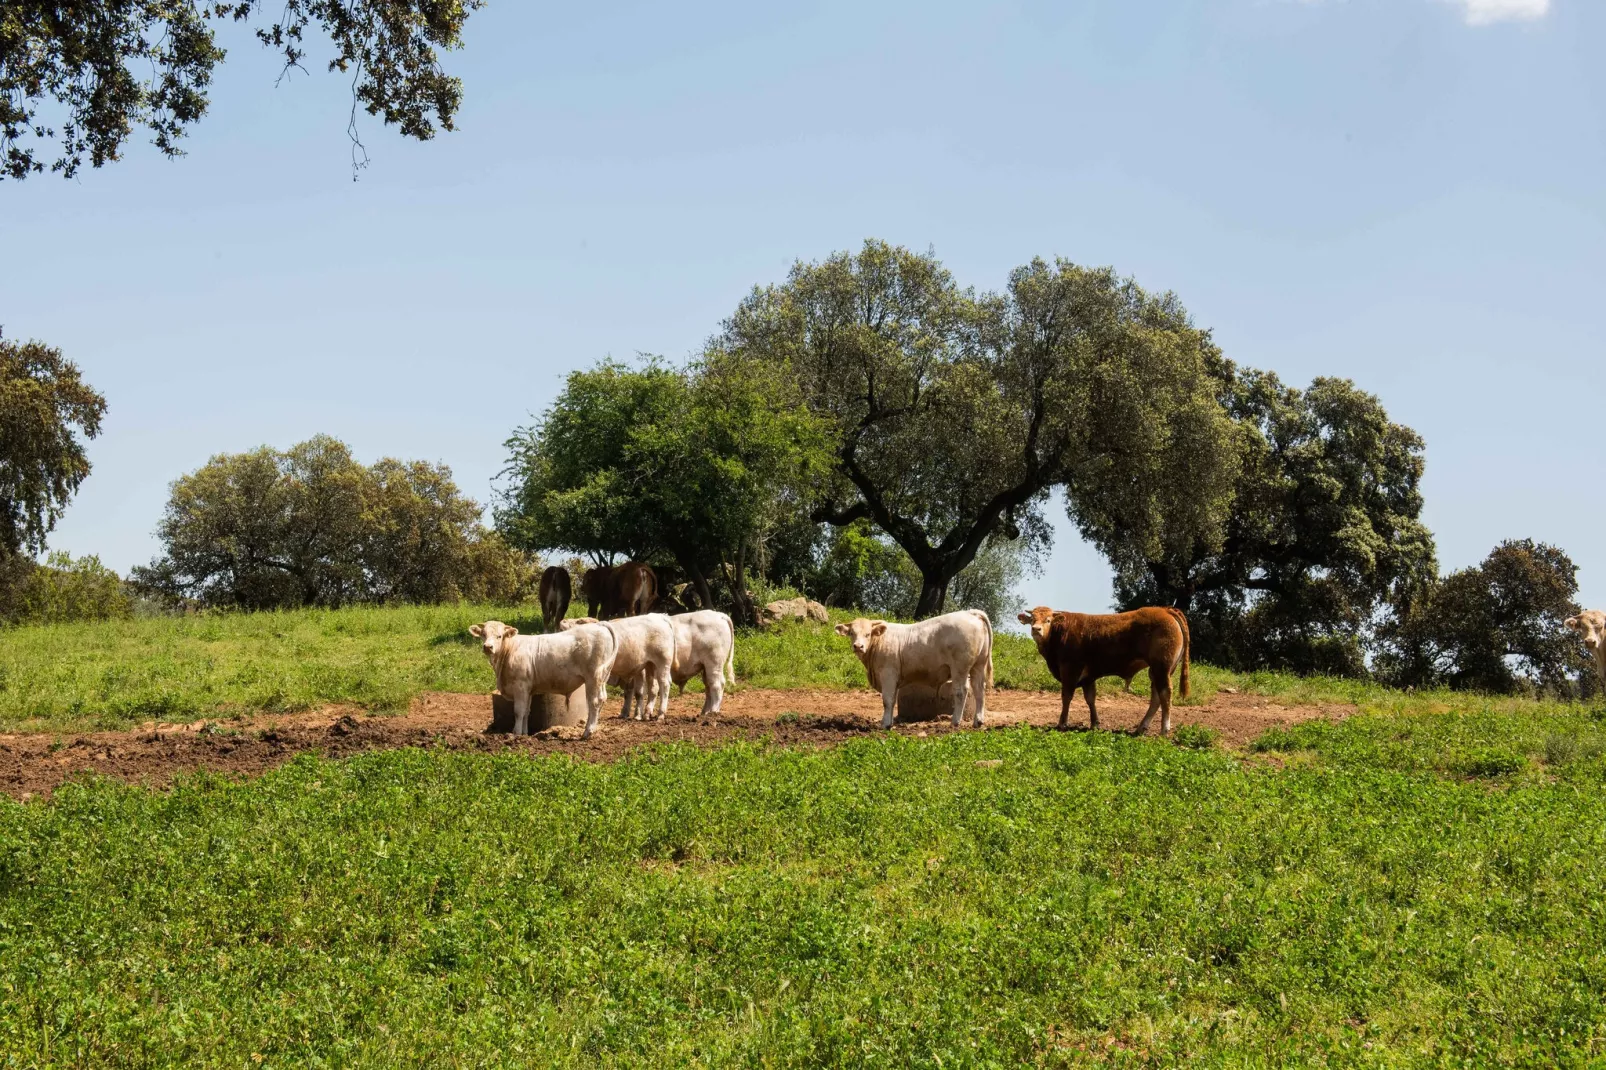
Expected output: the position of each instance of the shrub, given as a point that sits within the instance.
(63, 589)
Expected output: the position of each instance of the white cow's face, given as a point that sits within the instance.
(1041, 621)
(1591, 627)
(863, 633)
(491, 634)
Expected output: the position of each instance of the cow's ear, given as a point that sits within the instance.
(476, 631)
(509, 632)
(879, 628)
(1570, 622)
(842, 629)
(1024, 618)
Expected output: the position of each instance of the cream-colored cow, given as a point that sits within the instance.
(527, 665)
(955, 647)
(1591, 627)
(646, 650)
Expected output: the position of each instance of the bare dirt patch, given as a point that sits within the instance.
(35, 764)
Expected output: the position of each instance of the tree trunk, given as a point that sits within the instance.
(742, 599)
(699, 583)
(933, 592)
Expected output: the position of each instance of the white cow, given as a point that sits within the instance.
(1591, 627)
(705, 644)
(646, 651)
(527, 665)
(955, 647)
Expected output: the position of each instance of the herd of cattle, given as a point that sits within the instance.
(624, 643)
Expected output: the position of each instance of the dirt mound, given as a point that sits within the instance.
(34, 764)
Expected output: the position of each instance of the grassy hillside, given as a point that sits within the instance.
(118, 673)
(1092, 899)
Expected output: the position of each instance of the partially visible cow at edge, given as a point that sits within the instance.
(527, 665)
(555, 594)
(646, 653)
(625, 590)
(954, 648)
(1591, 627)
(1081, 647)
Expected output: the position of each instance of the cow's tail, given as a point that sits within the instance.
(1187, 641)
(730, 653)
(985, 619)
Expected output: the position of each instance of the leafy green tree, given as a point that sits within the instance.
(1495, 627)
(61, 590)
(1324, 534)
(111, 65)
(310, 526)
(45, 406)
(695, 464)
(955, 414)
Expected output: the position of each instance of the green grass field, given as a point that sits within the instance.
(1417, 885)
(1092, 899)
(115, 674)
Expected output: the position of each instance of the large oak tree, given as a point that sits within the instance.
(957, 413)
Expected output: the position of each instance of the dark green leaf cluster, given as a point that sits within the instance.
(1495, 627)
(44, 407)
(310, 526)
(1324, 533)
(107, 66)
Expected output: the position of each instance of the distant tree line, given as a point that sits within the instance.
(871, 434)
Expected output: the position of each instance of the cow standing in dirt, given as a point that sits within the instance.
(705, 645)
(954, 648)
(1081, 647)
(528, 665)
(555, 594)
(641, 667)
(625, 590)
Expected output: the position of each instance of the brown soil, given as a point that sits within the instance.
(35, 764)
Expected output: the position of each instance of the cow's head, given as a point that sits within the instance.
(1041, 621)
(1591, 627)
(491, 635)
(575, 622)
(863, 632)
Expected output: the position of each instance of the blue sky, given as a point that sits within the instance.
(1409, 193)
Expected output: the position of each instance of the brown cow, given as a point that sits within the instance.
(555, 595)
(1081, 647)
(625, 590)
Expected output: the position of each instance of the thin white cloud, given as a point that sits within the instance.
(1488, 12)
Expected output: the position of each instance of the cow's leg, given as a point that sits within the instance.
(628, 686)
(1090, 688)
(660, 686)
(521, 713)
(889, 696)
(1165, 704)
(713, 688)
(978, 685)
(960, 695)
(596, 695)
(1067, 692)
(1156, 682)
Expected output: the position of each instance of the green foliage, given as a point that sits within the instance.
(112, 65)
(699, 464)
(311, 526)
(1195, 736)
(1324, 533)
(957, 413)
(1495, 627)
(44, 406)
(62, 590)
(885, 903)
